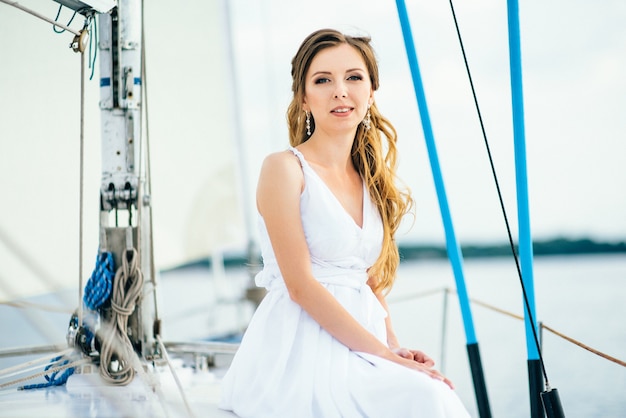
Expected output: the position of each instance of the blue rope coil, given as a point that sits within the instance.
(99, 285)
(52, 379)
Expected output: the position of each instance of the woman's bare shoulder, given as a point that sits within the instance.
(280, 164)
(282, 157)
(281, 181)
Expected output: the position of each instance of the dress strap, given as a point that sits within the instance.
(299, 155)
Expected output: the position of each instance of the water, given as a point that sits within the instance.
(581, 296)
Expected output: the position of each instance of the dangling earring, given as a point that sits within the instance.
(367, 121)
(308, 123)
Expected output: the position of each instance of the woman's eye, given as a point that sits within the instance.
(355, 77)
(321, 80)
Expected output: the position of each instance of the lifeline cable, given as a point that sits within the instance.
(486, 305)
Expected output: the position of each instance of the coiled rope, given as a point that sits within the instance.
(55, 366)
(97, 293)
(116, 351)
(100, 284)
(62, 362)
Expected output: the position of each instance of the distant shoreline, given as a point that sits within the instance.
(555, 246)
(549, 247)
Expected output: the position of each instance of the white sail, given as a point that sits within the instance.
(195, 185)
(194, 170)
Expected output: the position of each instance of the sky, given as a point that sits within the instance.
(573, 57)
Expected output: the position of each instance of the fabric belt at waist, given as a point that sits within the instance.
(351, 278)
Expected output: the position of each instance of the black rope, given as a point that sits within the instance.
(495, 178)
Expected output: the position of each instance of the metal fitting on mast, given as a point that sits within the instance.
(120, 92)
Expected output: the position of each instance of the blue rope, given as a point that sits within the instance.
(99, 286)
(52, 379)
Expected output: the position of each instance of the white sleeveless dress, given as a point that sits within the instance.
(289, 367)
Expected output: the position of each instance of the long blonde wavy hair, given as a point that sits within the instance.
(373, 158)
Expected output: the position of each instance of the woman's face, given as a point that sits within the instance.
(338, 90)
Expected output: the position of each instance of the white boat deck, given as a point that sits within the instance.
(153, 394)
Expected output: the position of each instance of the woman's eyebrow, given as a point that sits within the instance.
(328, 72)
(320, 72)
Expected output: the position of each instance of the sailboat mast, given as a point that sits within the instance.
(124, 198)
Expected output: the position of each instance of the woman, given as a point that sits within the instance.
(321, 343)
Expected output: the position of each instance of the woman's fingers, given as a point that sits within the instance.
(435, 374)
(422, 363)
(415, 355)
(421, 357)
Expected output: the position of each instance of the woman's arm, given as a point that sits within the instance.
(278, 199)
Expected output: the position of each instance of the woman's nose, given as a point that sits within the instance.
(340, 90)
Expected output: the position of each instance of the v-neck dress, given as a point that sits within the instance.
(288, 366)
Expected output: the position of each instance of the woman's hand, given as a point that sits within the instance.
(417, 360)
(414, 355)
(413, 359)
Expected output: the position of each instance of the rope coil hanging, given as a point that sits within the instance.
(117, 353)
(99, 286)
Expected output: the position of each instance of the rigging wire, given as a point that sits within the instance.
(93, 46)
(47, 357)
(81, 188)
(179, 385)
(502, 206)
(50, 370)
(148, 180)
(39, 16)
